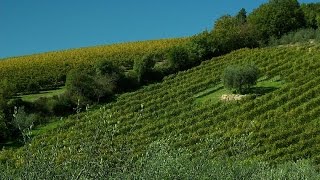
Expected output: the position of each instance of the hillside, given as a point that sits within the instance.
(277, 126)
(49, 70)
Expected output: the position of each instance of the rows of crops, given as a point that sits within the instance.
(279, 126)
(50, 69)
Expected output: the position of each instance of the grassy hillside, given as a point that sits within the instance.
(49, 69)
(279, 125)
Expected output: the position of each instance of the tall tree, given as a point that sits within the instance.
(276, 18)
(242, 16)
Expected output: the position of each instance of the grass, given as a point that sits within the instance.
(42, 129)
(49, 93)
(264, 86)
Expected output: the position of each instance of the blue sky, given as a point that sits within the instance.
(34, 26)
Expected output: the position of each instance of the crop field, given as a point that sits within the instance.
(280, 124)
(49, 70)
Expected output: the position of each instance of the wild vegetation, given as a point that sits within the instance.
(163, 116)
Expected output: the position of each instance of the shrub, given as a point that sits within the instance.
(80, 86)
(114, 74)
(233, 32)
(277, 17)
(6, 89)
(179, 59)
(3, 128)
(23, 122)
(33, 87)
(201, 46)
(241, 79)
(144, 67)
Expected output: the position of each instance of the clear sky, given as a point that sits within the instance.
(34, 26)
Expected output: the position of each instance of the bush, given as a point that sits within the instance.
(233, 32)
(6, 89)
(201, 47)
(240, 79)
(33, 87)
(299, 36)
(3, 128)
(80, 86)
(89, 88)
(275, 18)
(144, 67)
(23, 122)
(179, 58)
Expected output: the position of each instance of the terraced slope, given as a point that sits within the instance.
(278, 126)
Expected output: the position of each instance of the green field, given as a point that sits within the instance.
(279, 125)
(46, 94)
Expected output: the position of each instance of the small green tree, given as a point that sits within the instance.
(80, 86)
(231, 33)
(240, 79)
(23, 122)
(6, 89)
(179, 58)
(143, 67)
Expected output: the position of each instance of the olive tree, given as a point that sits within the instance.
(240, 78)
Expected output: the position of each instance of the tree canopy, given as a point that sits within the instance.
(276, 18)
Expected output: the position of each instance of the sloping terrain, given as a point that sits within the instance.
(49, 70)
(276, 126)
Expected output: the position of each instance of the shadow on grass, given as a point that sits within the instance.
(262, 90)
(210, 92)
(11, 144)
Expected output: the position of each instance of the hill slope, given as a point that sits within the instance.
(50, 69)
(277, 126)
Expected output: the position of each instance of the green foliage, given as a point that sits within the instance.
(312, 14)
(6, 89)
(276, 18)
(201, 47)
(299, 36)
(179, 58)
(242, 16)
(23, 122)
(240, 78)
(80, 86)
(231, 33)
(3, 128)
(49, 70)
(33, 87)
(144, 67)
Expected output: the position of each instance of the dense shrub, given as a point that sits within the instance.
(80, 86)
(233, 32)
(201, 46)
(299, 36)
(144, 67)
(241, 79)
(276, 18)
(312, 14)
(6, 89)
(33, 87)
(179, 58)
(3, 128)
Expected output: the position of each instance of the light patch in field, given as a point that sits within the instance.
(50, 93)
(264, 86)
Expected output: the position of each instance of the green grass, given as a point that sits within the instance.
(50, 93)
(264, 85)
(42, 129)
